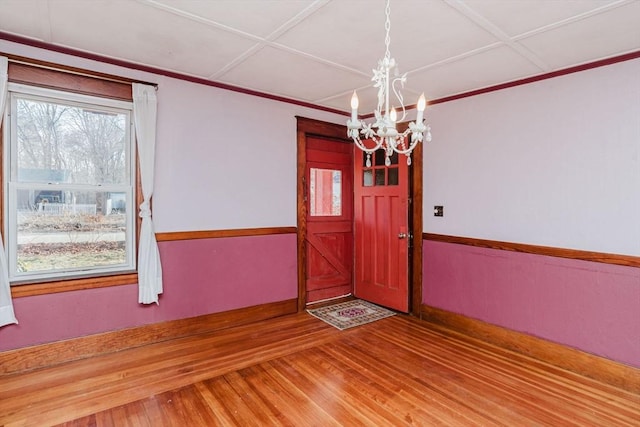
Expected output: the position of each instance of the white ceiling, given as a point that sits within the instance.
(318, 51)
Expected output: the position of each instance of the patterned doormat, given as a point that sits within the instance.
(348, 314)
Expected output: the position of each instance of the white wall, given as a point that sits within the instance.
(552, 163)
(227, 160)
(224, 159)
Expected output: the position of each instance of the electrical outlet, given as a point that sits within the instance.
(438, 211)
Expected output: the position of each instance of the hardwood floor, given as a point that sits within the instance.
(297, 371)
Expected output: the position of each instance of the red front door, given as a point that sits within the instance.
(382, 234)
(329, 219)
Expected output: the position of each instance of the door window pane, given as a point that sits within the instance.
(380, 156)
(394, 158)
(392, 176)
(367, 178)
(325, 192)
(379, 174)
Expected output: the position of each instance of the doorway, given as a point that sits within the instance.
(328, 194)
(309, 130)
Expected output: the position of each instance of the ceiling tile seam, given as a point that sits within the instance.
(494, 30)
(571, 20)
(313, 8)
(345, 93)
(45, 23)
(298, 18)
(237, 61)
(260, 41)
(456, 58)
(301, 16)
(259, 46)
(317, 59)
(200, 19)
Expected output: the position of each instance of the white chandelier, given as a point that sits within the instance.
(383, 132)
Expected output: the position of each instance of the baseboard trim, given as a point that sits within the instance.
(40, 356)
(588, 365)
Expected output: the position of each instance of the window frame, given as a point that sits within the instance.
(16, 92)
(73, 80)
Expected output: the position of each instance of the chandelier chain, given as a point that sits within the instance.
(387, 26)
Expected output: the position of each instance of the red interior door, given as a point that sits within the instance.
(329, 202)
(382, 232)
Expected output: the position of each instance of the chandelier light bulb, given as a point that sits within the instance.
(393, 116)
(422, 102)
(354, 107)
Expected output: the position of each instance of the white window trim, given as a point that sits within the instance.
(11, 185)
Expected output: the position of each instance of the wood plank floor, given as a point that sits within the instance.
(297, 371)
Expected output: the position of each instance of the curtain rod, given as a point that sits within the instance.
(73, 70)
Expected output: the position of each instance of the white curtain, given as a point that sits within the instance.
(149, 267)
(6, 306)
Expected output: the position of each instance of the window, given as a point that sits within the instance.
(69, 185)
(325, 192)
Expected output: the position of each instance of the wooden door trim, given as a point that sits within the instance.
(306, 127)
(415, 193)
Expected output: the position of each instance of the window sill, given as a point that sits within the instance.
(27, 290)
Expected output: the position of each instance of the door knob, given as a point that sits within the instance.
(402, 235)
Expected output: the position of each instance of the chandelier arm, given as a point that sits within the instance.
(402, 137)
(360, 144)
(398, 94)
(406, 151)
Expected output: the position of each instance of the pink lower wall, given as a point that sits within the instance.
(200, 277)
(590, 306)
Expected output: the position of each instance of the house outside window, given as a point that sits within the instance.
(69, 178)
